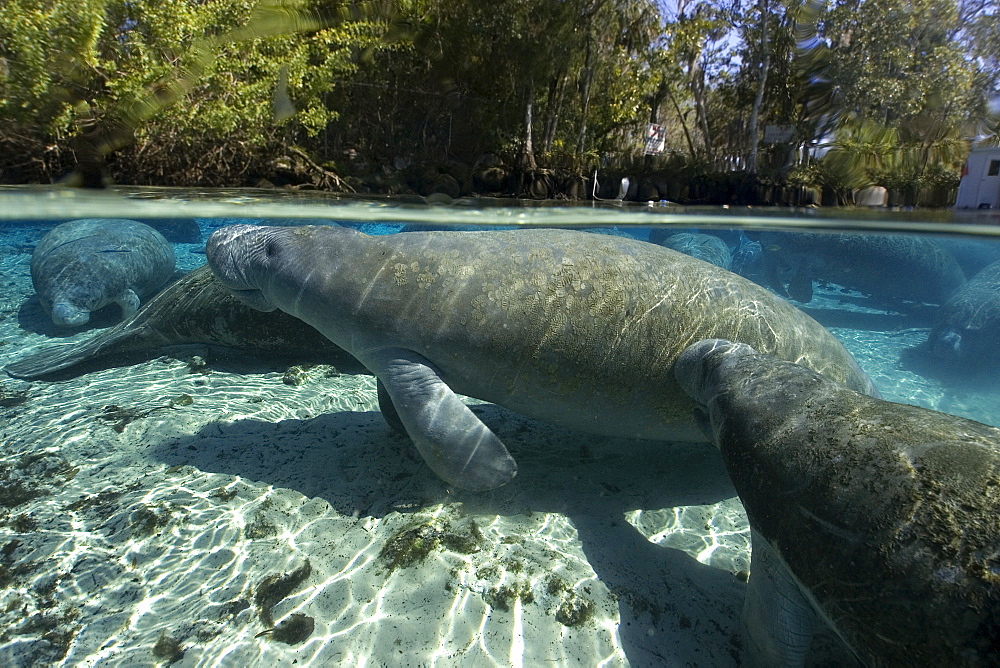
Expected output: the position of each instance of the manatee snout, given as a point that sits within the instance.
(947, 344)
(697, 366)
(228, 250)
(698, 371)
(65, 314)
(236, 255)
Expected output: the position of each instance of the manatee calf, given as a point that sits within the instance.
(571, 328)
(881, 520)
(195, 309)
(967, 326)
(84, 265)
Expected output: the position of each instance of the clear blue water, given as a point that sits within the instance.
(151, 497)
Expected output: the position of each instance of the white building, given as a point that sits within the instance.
(980, 186)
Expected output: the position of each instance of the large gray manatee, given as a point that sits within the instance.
(84, 265)
(571, 328)
(881, 520)
(967, 326)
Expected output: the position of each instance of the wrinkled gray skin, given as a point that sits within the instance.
(195, 309)
(881, 520)
(84, 265)
(971, 254)
(707, 247)
(566, 327)
(898, 267)
(967, 326)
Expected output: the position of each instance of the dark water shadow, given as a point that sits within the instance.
(206, 358)
(358, 464)
(673, 610)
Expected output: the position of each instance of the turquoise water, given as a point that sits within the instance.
(183, 502)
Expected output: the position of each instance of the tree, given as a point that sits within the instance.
(753, 138)
(381, 90)
(893, 61)
(108, 72)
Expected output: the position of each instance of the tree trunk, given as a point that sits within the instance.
(527, 147)
(758, 101)
(655, 101)
(588, 75)
(556, 91)
(684, 125)
(697, 83)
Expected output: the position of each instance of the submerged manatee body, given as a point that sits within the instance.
(967, 326)
(195, 309)
(707, 247)
(571, 328)
(894, 267)
(84, 265)
(881, 520)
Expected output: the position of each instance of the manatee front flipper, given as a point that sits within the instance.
(129, 301)
(452, 440)
(388, 410)
(778, 621)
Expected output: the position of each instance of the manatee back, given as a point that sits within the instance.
(894, 266)
(90, 262)
(596, 319)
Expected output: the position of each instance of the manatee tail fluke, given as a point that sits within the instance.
(51, 359)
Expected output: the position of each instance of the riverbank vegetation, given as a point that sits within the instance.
(776, 101)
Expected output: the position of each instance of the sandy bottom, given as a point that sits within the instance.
(209, 515)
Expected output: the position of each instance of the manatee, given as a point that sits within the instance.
(747, 256)
(973, 255)
(898, 267)
(575, 329)
(707, 247)
(84, 265)
(878, 519)
(967, 326)
(195, 309)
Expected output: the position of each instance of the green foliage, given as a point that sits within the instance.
(805, 176)
(923, 151)
(216, 92)
(893, 61)
(46, 50)
(941, 176)
(121, 67)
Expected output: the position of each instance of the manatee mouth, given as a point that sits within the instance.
(68, 315)
(255, 299)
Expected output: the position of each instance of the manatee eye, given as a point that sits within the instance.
(271, 248)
